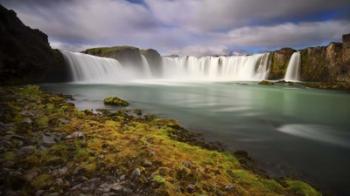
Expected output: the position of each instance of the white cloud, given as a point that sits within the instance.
(227, 14)
(200, 50)
(286, 34)
(194, 27)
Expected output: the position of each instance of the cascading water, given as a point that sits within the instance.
(293, 69)
(92, 69)
(230, 68)
(146, 67)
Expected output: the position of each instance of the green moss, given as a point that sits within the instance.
(88, 167)
(115, 101)
(301, 188)
(159, 179)
(42, 181)
(9, 156)
(265, 82)
(117, 142)
(81, 154)
(42, 122)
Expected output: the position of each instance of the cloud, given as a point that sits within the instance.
(200, 50)
(228, 14)
(286, 34)
(196, 27)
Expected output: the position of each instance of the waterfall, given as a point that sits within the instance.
(293, 69)
(145, 66)
(223, 68)
(91, 69)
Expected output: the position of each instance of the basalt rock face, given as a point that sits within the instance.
(154, 59)
(318, 64)
(25, 53)
(345, 69)
(279, 61)
(126, 55)
(131, 56)
(321, 63)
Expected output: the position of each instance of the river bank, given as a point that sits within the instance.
(50, 147)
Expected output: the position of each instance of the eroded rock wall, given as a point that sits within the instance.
(25, 53)
(318, 64)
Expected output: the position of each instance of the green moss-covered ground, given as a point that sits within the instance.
(50, 147)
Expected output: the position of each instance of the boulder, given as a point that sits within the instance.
(115, 101)
(25, 53)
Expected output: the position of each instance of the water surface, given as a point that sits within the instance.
(291, 131)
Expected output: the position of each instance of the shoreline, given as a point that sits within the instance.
(139, 154)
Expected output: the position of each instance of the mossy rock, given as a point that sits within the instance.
(265, 82)
(115, 101)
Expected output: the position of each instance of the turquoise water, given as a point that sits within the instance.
(289, 131)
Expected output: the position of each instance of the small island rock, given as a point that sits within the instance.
(115, 101)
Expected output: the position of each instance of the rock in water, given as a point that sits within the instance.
(115, 101)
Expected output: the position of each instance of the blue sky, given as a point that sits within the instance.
(187, 27)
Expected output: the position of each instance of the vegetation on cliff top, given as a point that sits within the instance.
(50, 147)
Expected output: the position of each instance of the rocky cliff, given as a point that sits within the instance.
(25, 53)
(128, 55)
(279, 61)
(318, 64)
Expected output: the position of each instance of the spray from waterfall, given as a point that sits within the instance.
(293, 68)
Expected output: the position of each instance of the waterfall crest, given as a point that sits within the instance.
(293, 68)
(223, 68)
(93, 69)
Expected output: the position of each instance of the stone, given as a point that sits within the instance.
(26, 150)
(48, 139)
(116, 187)
(76, 135)
(39, 193)
(265, 82)
(122, 177)
(191, 188)
(105, 187)
(115, 101)
(27, 121)
(62, 171)
(147, 163)
(229, 188)
(31, 174)
(136, 173)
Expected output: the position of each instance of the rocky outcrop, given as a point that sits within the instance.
(345, 69)
(126, 55)
(131, 56)
(321, 63)
(318, 64)
(154, 59)
(279, 61)
(25, 53)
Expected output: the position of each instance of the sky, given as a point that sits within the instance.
(187, 27)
